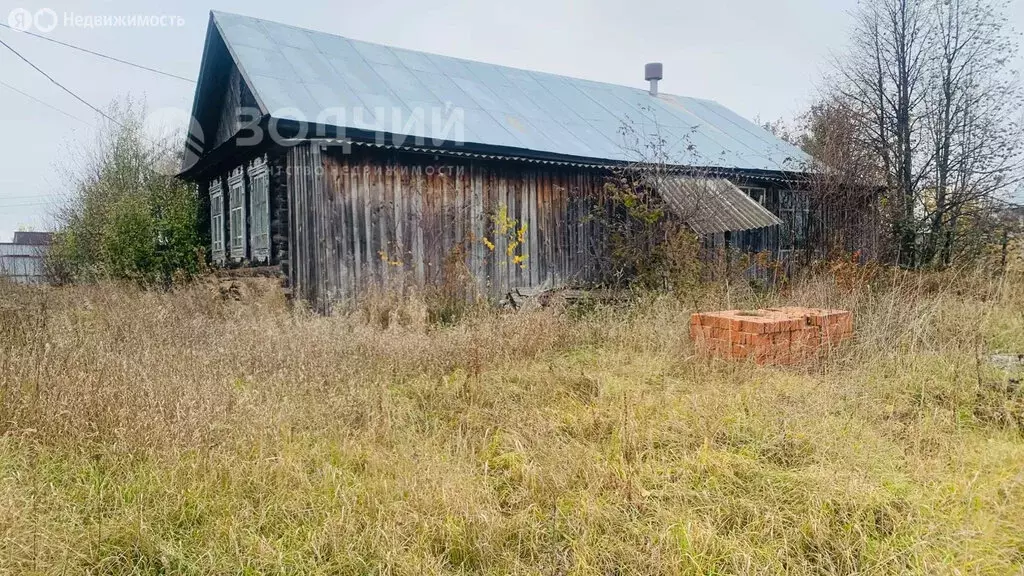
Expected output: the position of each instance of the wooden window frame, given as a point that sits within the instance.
(238, 228)
(259, 210)
(217, 236)
(760, 191)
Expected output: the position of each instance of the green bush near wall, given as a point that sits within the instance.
(128, 217)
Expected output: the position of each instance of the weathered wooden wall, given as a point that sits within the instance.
(374, 218)
(236, 97)
(277, 165)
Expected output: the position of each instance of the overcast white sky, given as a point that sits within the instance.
(760, 58)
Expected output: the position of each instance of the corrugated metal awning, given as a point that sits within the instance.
(713, 205)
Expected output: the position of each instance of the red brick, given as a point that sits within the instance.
(752, 326)
(775, 336)
(745, 338)
(740, 350)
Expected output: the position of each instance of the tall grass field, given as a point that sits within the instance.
(187, 433)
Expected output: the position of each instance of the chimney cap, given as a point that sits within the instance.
(653, 71)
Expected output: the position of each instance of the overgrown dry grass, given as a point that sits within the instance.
(145, 433)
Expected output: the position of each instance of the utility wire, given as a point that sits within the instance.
(94, 53)
(76, 96)
(29, 197)
(39, 202)
(29, 205)
(62, 87)
(48, 105)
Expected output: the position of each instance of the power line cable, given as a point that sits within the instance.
(29, 205)
(36, 200)
(61, 86)
(4, 198)
(48, 105)
(101, 55)
(77, 97)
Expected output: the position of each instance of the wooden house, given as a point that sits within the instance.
(348, 165)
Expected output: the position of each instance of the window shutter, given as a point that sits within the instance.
(259, 210)
(236, 196)
(217, 221)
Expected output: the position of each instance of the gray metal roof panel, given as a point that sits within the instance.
(308, 64)
(416, 61)
(306, 71)
(244, 31)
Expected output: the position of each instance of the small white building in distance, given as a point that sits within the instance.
(22, 259)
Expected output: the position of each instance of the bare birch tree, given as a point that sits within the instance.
(972, 102)
(882, 79)
(931, 95)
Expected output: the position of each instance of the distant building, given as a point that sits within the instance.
(22, 259)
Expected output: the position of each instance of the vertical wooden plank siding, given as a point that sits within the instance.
(416, 224)
(391, 220)
(532, 195)
(379, 191)
(279, 224)
(298, 158)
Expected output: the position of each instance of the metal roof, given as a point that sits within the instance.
(297, 74)
(33, 238)
(713, 205)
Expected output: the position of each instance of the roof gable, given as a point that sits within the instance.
(298, 74)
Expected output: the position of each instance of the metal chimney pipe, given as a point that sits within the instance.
(653, 73)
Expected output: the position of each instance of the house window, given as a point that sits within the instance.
(217, 221)
(259, 210)
(757, 194)
(236, 197)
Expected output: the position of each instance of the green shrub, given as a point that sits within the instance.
(128, 217)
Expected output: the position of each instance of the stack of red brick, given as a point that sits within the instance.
(771, 336)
